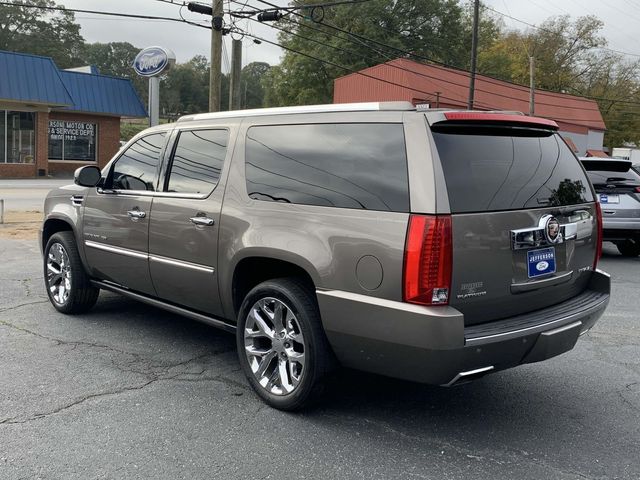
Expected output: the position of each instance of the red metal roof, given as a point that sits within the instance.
(597, 153)
(572, 145)
(404, 79)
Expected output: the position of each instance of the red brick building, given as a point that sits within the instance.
(53, 121)
(579, 118)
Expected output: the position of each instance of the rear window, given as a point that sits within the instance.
(360, 166)
(492, 169)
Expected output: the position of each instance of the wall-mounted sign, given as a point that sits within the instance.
(153, 61)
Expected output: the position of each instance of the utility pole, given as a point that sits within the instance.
(215, 76)
(532, 85)
(236, 70)
(474, 53)
(438, 99)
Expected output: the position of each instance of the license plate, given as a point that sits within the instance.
(541, 262)
(605, 198)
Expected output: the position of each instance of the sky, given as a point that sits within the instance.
(621, 18)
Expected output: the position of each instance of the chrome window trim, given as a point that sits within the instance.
(181, 263)
(118, 250)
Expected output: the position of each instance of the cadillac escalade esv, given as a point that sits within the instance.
(430, 245)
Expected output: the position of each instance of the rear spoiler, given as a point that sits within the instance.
(606, 165)
(499, 118)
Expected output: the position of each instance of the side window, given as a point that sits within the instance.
(361, 166)
(197, 161)
(136, 169)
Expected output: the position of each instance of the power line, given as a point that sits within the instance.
(437, 64)
(413, 71)
(98, 12)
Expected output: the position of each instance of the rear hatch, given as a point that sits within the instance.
(617, 187)
(523, 215)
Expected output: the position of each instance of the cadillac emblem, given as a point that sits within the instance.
(551, 229)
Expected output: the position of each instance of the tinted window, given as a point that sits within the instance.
(346, 165)
(136, 169)
(601, 176)
(508, 169)
(197, 161)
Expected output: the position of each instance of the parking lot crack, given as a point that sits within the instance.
(15, 307)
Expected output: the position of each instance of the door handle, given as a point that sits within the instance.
(134, 214)
(202, 221)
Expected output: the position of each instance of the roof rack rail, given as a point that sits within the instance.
(330, 108)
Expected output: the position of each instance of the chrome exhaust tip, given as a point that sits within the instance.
(465, 377)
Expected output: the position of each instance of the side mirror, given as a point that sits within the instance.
(88, 176)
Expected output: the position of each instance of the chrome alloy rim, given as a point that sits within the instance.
(58, 273)
(274, 346)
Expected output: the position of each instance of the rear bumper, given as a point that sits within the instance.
(432, 345)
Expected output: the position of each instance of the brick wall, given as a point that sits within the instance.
(17, 170)
(108, 141)
(108, 146)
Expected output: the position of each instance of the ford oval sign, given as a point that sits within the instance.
(153, 61)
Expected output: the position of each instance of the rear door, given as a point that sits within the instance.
(523, 216)
(183, 243)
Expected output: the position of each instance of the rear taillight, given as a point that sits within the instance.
(599, 239)
(428, 260)
(637, 189)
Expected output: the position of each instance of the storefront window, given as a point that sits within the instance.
(17, 137)
(70, 140)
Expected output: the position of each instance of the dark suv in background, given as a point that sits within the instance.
(435, 246)
(617, 185)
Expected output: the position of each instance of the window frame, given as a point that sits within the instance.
(165, 172)
(109, 178)
(64, 160)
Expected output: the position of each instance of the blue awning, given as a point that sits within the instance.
(102, 94)
(33, 79)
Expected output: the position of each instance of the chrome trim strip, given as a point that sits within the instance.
(537, 284)
(181, 263)
(191, 196)
(117, 250)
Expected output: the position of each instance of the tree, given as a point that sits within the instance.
(54, 34)
(252, 93)
(434, 29)
(569, 59)
(563, 50)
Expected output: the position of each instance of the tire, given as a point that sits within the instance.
(629, 248)
(287, 372)
(66, 280)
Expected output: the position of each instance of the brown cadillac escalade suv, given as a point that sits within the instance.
(430, 245)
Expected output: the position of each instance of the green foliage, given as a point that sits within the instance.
(567, 62)
(129, 130)
(41, 32)
(252, 91)
(435, 29)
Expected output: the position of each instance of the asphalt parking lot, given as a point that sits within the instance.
(128, 391)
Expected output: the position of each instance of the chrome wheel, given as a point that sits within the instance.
(274, 346)
(58, 273)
